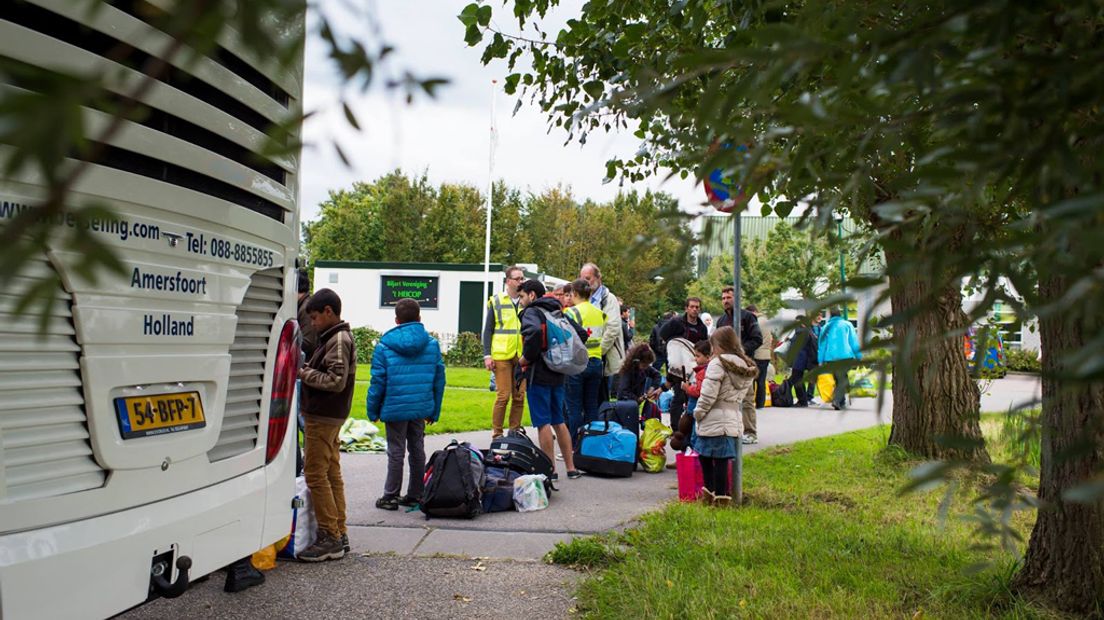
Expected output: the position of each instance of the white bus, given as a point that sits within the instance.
(144, 438)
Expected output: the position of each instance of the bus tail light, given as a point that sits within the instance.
(283, 388)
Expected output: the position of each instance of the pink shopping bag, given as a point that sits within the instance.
(690, 482)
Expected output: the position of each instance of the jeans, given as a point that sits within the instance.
(801, 390)
(761, 384)
(507, 393)
(582, 396)
(405, 438)
(322, 470)
(839, 396)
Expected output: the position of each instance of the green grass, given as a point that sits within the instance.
(467, 404)
(824, 533)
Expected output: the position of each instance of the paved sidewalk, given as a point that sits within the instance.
(584, 506)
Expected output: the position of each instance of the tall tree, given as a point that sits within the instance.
(935, 122)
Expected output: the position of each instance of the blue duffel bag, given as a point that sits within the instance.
(605, 448)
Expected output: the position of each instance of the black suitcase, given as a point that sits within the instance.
(624, 412)
(516, 451)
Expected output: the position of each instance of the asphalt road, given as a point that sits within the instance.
(405, 566)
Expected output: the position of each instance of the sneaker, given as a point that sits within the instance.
(555, 477)
(325, 548)
(574, 474)
(407, 501)
(241, 575)
(345, 542)
(387, 503)
(559, 457)
(722, 501)
(672, 465)
(750, 439)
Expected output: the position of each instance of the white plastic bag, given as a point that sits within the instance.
(529, 493)
(304, 528)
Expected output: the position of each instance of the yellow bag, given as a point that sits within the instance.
(265, 559)
(826, 386)
(653, 446)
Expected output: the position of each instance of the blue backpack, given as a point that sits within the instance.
(564, 351)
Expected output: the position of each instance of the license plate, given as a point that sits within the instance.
(159, 414)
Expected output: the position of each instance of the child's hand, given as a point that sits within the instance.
(430, 421)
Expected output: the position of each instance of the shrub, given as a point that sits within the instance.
(466, 351)
(365, 339)
(1023, 360)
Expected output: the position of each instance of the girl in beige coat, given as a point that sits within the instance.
(728, 377)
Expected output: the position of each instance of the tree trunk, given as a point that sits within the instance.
(1064, 565)
(935, 401)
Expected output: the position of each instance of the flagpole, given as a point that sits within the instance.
(490, 190)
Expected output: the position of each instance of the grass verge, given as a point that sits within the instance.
(466, 407)
(824, 534)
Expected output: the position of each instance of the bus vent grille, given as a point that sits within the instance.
(44, 442)
(249, 365)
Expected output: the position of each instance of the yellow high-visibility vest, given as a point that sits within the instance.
(593, 321)
(506, 338)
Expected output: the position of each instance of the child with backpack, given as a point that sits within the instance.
(408, 383)
(728, 376)
(328, 379)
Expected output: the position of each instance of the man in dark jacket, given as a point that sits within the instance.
(805, 344)
(406, 364)
(688, 325)
(545, 391)
(751, 337)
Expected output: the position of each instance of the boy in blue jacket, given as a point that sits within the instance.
(406, 364)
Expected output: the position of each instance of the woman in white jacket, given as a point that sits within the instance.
(728, 377)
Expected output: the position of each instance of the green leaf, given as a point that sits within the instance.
(483, 15)
(469, 15)
(512, 83)
(349, 116)
(594, 88)
(473, 35)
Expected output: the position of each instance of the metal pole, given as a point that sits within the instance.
(738, 469)
(843, 276)
(490, 200)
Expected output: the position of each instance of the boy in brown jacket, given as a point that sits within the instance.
(327, 396)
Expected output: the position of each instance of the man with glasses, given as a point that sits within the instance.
(613, 347)
(501, 350)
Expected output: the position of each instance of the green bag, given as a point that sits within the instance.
(653, 446)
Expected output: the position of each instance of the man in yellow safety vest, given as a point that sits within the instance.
(583, 390)
(501, 349)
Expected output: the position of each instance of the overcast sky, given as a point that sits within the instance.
(447, 137)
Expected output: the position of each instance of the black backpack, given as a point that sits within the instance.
(454, 482)
(516, 451)
(782, 395)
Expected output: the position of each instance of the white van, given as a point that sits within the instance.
(144, 439)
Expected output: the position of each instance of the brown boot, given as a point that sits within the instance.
(707, 498)
(722, 501)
